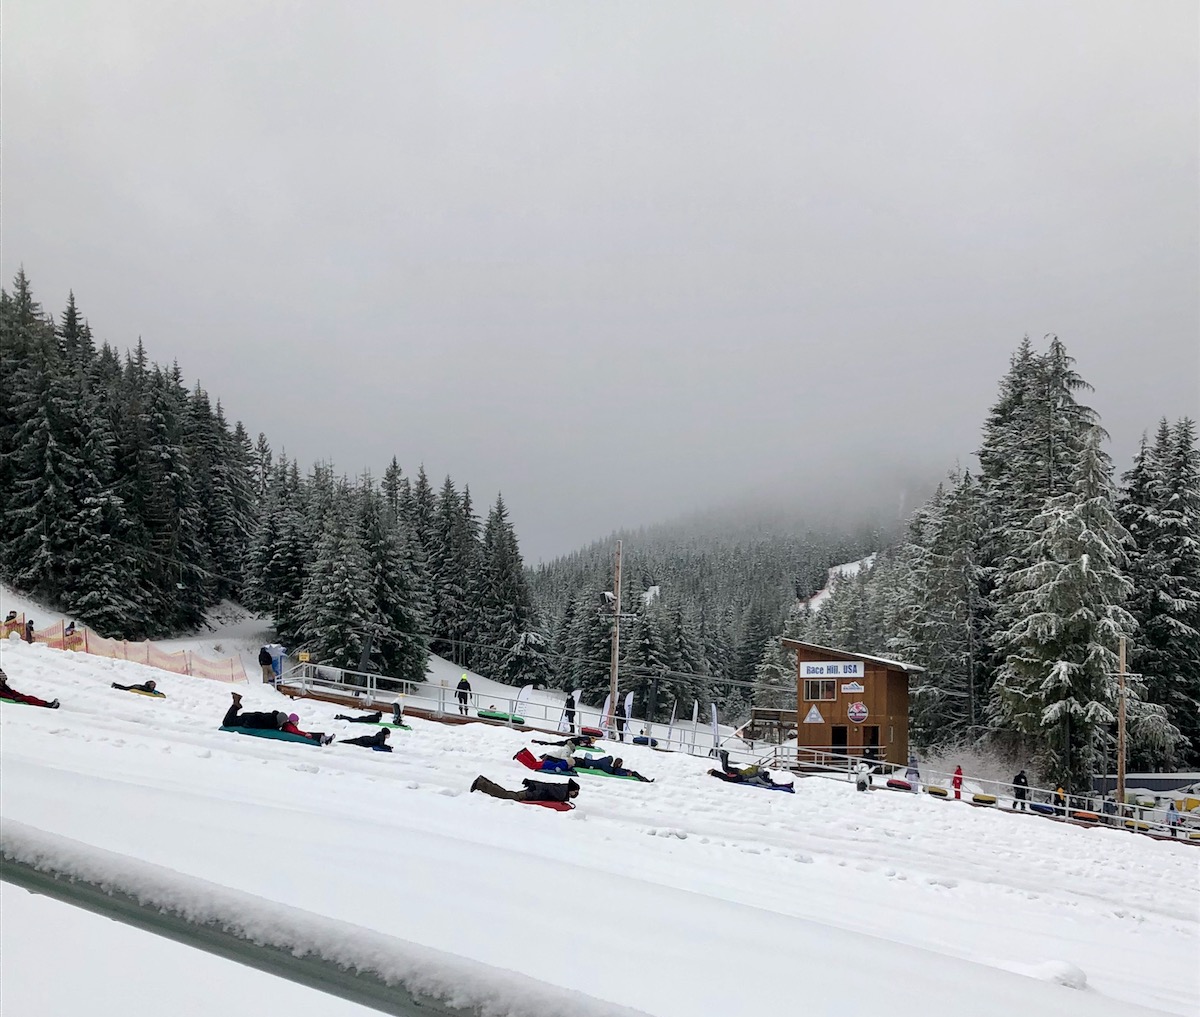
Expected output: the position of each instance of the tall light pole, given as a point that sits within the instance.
(616, 643)
(1121, 734)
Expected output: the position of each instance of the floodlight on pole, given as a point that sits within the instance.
(616, 643)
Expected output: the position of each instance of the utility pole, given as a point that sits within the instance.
(1121, 734)
(616, 643)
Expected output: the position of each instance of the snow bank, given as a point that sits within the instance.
(453, 981)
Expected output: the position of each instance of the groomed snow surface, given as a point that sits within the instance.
(687, 896)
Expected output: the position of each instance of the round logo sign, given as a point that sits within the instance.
(858, 712)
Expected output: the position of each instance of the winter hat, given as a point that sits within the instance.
(281, 718)
(294, 718)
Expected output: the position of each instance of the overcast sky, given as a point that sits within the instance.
(618, 260)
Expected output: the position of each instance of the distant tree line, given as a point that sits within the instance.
(700, 604)
(130, 503)
(1013, 587)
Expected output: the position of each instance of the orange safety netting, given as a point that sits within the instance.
(178, 662)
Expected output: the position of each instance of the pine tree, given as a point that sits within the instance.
(338, 609)
(1057, 687)
(506, 610)
(1160, 507)
(400, 645)
(777, 671)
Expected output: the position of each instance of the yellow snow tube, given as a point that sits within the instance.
(1136, 824)
(983, 799)
(937, 792)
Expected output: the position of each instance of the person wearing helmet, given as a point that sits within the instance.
(273, 720)
(149, 688)
(291, 727)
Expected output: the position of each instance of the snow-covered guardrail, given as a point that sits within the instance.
(366, 967)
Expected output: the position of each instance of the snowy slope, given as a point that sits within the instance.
(849, 569)
(683, 897)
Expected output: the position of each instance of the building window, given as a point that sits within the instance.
(820, 690)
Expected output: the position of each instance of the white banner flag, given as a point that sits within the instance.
(628, 708)
(695, 720)
(605, 724)
(671, 726)
(522, 698)
(716, 730)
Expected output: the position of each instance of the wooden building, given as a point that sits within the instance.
(851, 703)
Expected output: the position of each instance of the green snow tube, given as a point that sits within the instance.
(497, 715)
(267, 732)
(602, 773)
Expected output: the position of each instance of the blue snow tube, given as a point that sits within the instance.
(269, 732)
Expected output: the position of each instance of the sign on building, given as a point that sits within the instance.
(813, 716)
(857, 712)
(854, 687)
(832, 669)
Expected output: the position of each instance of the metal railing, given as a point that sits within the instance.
(366, 967)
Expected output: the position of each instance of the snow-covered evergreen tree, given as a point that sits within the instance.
(1065, 615)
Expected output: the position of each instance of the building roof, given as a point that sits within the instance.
(891, 665)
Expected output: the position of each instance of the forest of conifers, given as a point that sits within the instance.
(133, 505)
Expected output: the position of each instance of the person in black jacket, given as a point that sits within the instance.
(569, 712)
(370, 718)
(1020, 790)
(149, 687)
(463, 693)
(377, 741)
(267, 663)
(533, 791)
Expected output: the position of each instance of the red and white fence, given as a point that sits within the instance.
(186, 662)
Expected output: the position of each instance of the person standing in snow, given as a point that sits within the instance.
(569, 712)
(464, 694)
(956, 783)
(29, 631)
(1173, 819)
(862, 776)
(267, 663)
(1060, 800)
(1020, 790)
(8, 692)
(913, 773)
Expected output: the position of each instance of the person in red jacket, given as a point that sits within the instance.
(8, 692)
(956, 782)
(315, 736)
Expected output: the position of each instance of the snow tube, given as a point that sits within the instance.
(1136, 824)
(899, 784)
(603, 773)
(497, 715)
(595, 732)
(1145, 802)
(1086, 817)
(394, 727)
(745, 783)
(1041, 808)
(590, 750)
(1195, 835)
(643, 740)
(556, 806)
(17, 702)
(149, 695)
(937, 792)
(526, 759)
(983, 799)
(268, 732)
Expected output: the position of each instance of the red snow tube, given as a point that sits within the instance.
(899, 784)
(556, 806)
(594, 732)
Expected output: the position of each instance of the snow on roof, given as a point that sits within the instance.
(895, 665)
